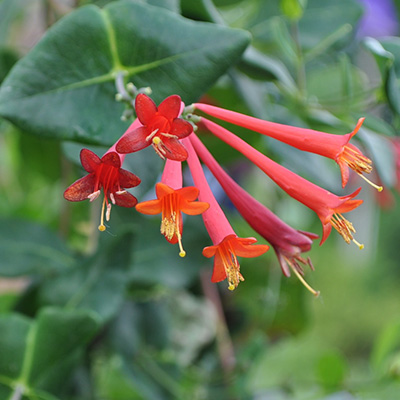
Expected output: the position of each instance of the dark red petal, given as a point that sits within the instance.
(125, 200)
(175, 150)
(181, 128)
(170, 107)
(127, 179)
(89, 160)
(80, 189)
(133, 141)
(145, 108)
(111, 158)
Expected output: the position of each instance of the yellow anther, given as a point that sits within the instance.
(102, 228)
(231, 287)
(156, 140)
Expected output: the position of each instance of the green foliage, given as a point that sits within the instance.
(149, 46)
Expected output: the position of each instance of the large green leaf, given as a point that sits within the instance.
(64, 87)
(29, 248)
(97, 284)
(37, 356)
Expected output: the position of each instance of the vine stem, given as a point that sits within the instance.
(224, 342)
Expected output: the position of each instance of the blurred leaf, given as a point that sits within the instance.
(29, 248)
(382, 152)
(98, 283)
(338, 87)
(36, 355)
(387, 56)
(331, 369)
(9, 10)
(293, 9)
(7, 59)
(386, 345)
(321, 18)
(148, 44)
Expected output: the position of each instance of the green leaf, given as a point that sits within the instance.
(98, 283)
(36, 355)
(29, 248)
(293, 9)
(64, 88)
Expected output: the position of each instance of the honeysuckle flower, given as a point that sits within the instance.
(288, 243)
(328, 206)
(103, 173)
(160, 128)
(227, 246)
(173, 200)
(336, 147)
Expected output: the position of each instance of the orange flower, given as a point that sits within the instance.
(171, 204)
(226, 265)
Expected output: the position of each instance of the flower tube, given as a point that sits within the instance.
(173, 200)
(227, 246)
(336, 147)
(287, 242)
(325, 204)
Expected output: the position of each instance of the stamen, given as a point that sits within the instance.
(93, 196)
(231, 265)
(102, 227)
(108, 212)
(356, 160)
(121, 192)
(316, 293)
(345, 229)
(157, 149)
(148, 138)
(112, 198)
(170, 135)
(156, 140)
(378, 188)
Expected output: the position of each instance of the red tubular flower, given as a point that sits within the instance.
(287, 242)
(336, 147)
(173, 200)
(327, 205)
(105, 173)
(161, 128)
(227, 245)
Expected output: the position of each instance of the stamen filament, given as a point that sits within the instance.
(316, 293)
(377, 187)
(151, 135)
(102, 227)
(345, 228)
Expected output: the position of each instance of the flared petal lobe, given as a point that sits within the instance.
(172, 203)
(161, 128)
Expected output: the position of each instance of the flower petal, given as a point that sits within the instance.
(170, 107)
(194, 207)
(189, 193)
(80, 189)
(133, 141)
(181, 128)
(125, 200)
(111, 158)
(219, 273)
(127, 179)
(175, 150)
(150, 207)
(210, 251)
(145, 108)
(162, 190)
(89, 160)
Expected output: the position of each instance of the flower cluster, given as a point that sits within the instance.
(169, 129)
